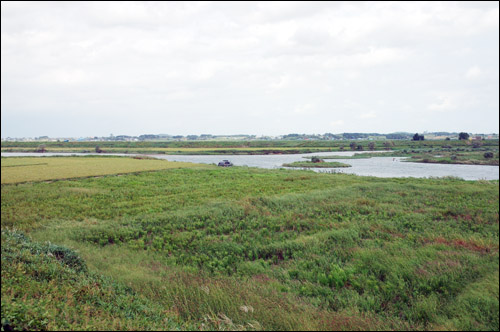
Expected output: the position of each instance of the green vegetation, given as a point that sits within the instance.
(463, 158)
(48, 287)
(437, 155)
(16, 170)
(244, 147)
(250, 249)
(309, 164)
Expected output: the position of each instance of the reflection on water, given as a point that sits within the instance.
(377, 166)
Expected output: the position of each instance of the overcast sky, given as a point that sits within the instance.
(130, 68)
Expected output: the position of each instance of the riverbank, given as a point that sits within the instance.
(489, 157)
(244, 147)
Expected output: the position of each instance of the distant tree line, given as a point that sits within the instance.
(290, 137)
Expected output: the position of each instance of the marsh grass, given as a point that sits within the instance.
(305, 251)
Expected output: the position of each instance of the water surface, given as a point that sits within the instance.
(377, 166)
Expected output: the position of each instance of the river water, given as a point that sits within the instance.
(377, 166)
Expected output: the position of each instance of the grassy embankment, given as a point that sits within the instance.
(438, 156)
(251, 147)
(245, 248)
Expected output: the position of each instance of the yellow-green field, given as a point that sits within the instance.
(154, 149)
(18, 170)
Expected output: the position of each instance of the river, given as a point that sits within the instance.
(376, 166)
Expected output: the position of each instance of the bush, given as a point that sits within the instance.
(488, 155)
(41, 148)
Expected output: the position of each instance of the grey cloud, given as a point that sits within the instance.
(193, 67)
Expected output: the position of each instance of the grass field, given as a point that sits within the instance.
(16, 170)
(249, 147)
(178, 150)
(250, 249)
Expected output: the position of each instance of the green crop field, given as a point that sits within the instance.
(207, 248)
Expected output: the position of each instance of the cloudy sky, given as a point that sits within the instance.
(263, 68)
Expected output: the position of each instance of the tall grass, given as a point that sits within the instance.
(246, 248)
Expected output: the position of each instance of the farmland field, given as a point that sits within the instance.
(253, 146)
(249, 249)
(180, 150)
(15, 170)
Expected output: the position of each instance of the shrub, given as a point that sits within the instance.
(41, 148)
(488, 155)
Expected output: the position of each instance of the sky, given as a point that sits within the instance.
(78, 69)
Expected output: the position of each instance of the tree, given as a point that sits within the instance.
(98, 149)
(418, 137)
(371, 145)
(353, 146)
(463, 135)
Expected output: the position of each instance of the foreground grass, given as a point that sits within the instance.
(16, 170)
(250, 249)
(48, 287)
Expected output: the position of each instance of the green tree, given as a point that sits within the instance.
(463, 135)
(418, 137)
